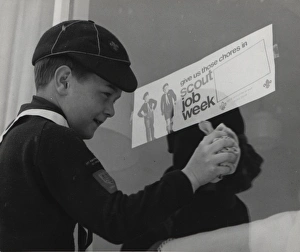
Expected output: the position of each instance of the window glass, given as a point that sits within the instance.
(164, 36)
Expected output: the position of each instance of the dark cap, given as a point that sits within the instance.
(92, 46)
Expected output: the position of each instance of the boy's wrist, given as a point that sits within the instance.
(193, 180)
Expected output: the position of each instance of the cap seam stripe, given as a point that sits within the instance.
(56, 41)
(91, 54)
(60, 33)
(98, 40)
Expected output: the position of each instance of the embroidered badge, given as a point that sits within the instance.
(105, 180)
(114, 46)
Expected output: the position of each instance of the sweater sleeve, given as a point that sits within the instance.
(85, 191)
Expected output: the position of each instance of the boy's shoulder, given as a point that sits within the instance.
(52, 131)
(37, 127)
(54, 137)
(31, 133)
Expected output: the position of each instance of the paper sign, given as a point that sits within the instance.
(228, 78)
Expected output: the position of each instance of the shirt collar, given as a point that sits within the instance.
(41, 103)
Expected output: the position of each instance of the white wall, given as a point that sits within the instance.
(21, 24)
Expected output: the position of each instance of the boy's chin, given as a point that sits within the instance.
(87, 135)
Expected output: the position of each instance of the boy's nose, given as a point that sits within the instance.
(110, 110)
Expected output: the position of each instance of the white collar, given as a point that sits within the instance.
(48, 114)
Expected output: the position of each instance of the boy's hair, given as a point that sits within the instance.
(144, 96)
(164, 86)
(44, 69)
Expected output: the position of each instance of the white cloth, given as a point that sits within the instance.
(277, 233)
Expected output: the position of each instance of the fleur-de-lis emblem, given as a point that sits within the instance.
(114, 46)
(223, 105)
(267, 83)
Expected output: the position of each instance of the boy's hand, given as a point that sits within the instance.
(205, 165)
(235, 149)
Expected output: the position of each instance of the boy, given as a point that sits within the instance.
(147, 112)
(167, 103)
(49, 178)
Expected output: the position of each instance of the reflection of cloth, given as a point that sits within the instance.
(146, 111)
(167, 104)
(214, 205)
(183, 143)
(207, 211)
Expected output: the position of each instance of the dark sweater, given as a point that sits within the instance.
(48, 181)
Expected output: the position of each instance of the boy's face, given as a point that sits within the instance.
(146, 98)
(89, 103)
(166, 89)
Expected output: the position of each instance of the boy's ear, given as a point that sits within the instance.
(62, 78)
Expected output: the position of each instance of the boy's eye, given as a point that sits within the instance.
(106, 94)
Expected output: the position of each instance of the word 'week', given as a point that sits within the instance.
(188, 112)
